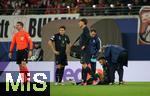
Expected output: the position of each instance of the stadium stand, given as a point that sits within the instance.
(84, 7)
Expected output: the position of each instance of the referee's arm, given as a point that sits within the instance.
(12, 46)
(30, 43)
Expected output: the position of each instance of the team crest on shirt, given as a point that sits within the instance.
(94, 41)
(65, 39)
(21, 38)
(59, 38)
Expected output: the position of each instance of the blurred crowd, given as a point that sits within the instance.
(84, 7)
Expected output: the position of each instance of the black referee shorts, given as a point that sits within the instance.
(22, 55)
(61, 59)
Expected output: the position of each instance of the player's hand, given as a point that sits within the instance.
(29, 54)
(10, 55)
(56, 52)
(83, 47)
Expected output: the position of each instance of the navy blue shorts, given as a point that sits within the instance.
(85, 58)
(61, 59)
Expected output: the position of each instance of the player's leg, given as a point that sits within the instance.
(22, 57)
(24, 70)
(61, 73)
(87, 72)
(93, 67)
(57, 73)
(122, 61)
(83, 67)
(63, 62)
(84, 73)
(120, 69)
(85, 60)
(93, 71)
(120, 73)
(112, 73)
(58, 66)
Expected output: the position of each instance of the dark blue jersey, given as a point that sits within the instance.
(84, 37)
(60, 42)
(112, 53)
(94, 45)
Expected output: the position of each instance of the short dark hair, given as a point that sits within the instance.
(62, 27)
(19, 22)
(101, 58)
(93, 30)
(84, 20)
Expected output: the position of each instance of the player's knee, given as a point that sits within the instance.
(59, 66)
(23, 64)
(84, 65)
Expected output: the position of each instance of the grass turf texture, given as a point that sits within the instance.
(129, 89)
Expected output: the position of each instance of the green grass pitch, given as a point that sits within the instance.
(129, 89)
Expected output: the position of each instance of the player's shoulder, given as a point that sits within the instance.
(56, 34)
(22, 32)
(25, 32)
(66, 35)
(86, 29)
(53, 37)
(15, 35)
(98, 38)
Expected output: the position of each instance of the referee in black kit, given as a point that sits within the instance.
(62, 43)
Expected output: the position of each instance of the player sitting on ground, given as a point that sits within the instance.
(102, 77)
(106, 71)
(97, 78)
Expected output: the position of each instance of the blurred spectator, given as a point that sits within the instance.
(125, 2)
(24, 9)
(81, 6)
(145, 2)
(10, 8)
(1, 9)
(4, 6)
(33, 2)
(84, 7)
(135, 7)
(123, 9)
(37, 54)
(95, 2)
(110, 1)
(61, 8)
(100, 7)
(72, 8)
(112, 9)
(50, 9)
(17, 10)
(107, 9)
(88, 8)
(42, 7)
